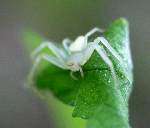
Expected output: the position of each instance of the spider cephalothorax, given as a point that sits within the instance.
(76, 53)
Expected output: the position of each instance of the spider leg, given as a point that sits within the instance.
(113, 52)
(53, 60)
(107, 61)
(94, 30)
(89, 51)
(109, 47)
(55, 50)
(66, 42)
(81, 71)
(74, 77)
(71, 74)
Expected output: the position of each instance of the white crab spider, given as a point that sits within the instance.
(76, 54)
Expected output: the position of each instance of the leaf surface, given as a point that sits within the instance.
(94, 97)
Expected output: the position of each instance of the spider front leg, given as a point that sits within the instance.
(113, 52)
(94, 30)
(66, 43)
(81, 71)
(74, 77)
(56, 51)
(106, 59)
(51, 59)
(109, 47)
(89, 51)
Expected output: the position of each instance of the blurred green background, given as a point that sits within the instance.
(56, 19)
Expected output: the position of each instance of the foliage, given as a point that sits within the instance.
(94, 97)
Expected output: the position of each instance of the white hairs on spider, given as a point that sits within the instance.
(76, 54)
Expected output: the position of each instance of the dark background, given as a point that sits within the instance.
(57, 19)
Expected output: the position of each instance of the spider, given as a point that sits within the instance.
(76, 53)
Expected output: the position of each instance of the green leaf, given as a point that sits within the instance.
(94, 97)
